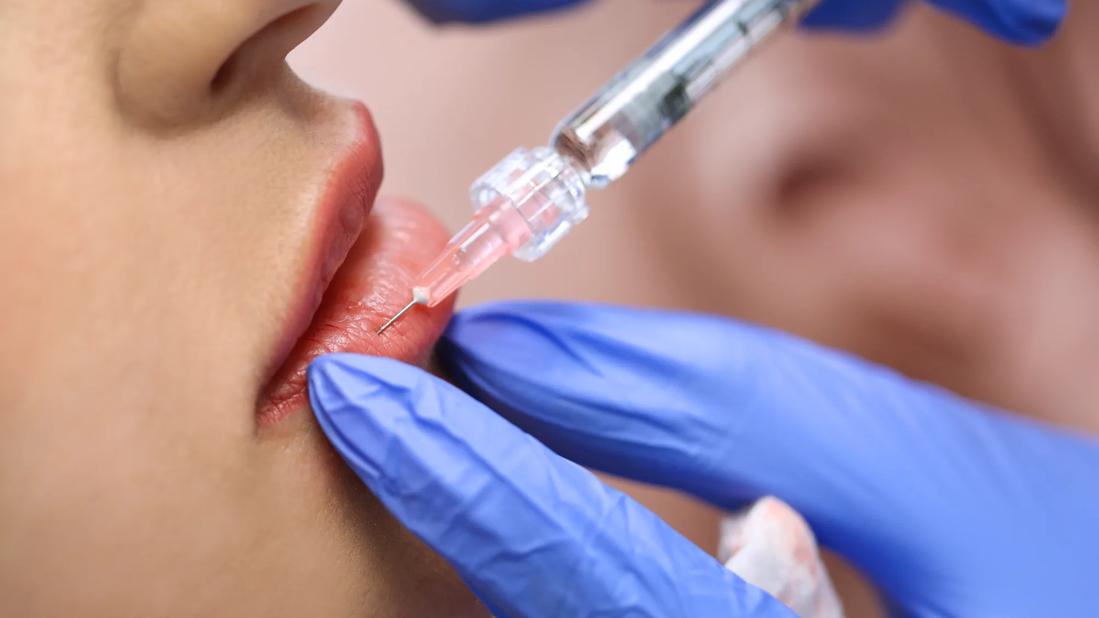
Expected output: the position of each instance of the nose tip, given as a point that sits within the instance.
(183, 61)
(268, 47)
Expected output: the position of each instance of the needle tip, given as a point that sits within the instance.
(400, 314)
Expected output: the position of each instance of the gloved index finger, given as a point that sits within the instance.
(531, 533)
(1026, 22)
(729, 412)
(482, 11)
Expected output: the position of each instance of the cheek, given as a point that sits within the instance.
(106, 507)
(325, 532)
(142, 275)
(177, 257)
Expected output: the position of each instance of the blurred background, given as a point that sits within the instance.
(848, 189)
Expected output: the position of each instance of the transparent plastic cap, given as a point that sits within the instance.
(545, 188)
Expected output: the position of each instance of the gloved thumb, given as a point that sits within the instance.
(531, 533)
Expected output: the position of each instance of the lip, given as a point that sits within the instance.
(357, 272)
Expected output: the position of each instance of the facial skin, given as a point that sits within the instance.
(175, 202)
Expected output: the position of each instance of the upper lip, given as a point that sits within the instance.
(344, 204)
(357, 272)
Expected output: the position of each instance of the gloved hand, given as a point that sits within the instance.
(1025, 22)
(530, 533)
(950, 507)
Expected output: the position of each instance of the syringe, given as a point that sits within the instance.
(533, 198)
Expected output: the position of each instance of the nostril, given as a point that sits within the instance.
(266, 47)
(183, 62)
(224, 75)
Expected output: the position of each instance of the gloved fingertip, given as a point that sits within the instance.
(632, 392)
(484, 11)
(1033, 23)
(852, 15)
(327, 376)
(1022, 22)
(441, 12)
(530, 532)
(506, 339)
(338, 381)
(364, 405)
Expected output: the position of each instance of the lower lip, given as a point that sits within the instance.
(387, 251)
(399, 240)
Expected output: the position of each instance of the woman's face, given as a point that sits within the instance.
(186, 225)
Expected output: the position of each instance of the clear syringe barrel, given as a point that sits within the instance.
(638, 106)
(522, 207)
(533, 198)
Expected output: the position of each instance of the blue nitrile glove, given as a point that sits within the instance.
(951, 508)
(531, 534)
(1019, 21)
(482, 11)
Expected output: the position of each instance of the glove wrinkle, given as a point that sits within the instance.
(531, 533)
(941, 500)
(583, 414)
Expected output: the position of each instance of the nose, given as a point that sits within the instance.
(182, 61)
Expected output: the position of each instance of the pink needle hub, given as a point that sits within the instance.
(522, 207)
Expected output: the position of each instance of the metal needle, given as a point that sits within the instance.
(393, 320)
(419, 297)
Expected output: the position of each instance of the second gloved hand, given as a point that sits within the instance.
(1018, 21)
(951, 508)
